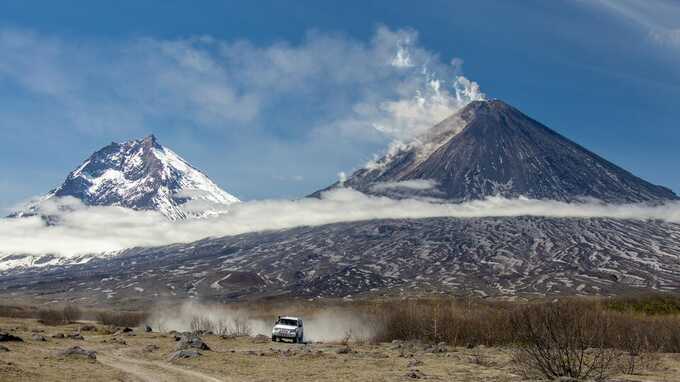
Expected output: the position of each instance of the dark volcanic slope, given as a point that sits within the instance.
(490, 148)
(490, 256)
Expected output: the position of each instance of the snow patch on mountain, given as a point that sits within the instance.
(142, 175)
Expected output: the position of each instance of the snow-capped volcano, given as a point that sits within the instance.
(143, 175)
(490, 148)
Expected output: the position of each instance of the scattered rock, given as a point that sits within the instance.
(414, 363)
(344, 350)
(188, 341)
(88, 328)
(58, 335)
(3, 349)
(124, 332)
(77, 351)
(184, 354)
(150, 348)
(415, 374)
(437, 348)
(38, 337)
(6, 337)
(75, 336)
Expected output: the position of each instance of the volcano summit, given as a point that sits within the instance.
(490, 148)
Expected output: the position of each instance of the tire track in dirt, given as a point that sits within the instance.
(152, 371)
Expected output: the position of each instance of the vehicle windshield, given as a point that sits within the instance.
(285, 321)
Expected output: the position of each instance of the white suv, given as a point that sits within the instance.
(288, 327)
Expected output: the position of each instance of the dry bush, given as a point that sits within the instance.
(66, 315)
(450, 321)
(236, 327)
(50, 317)
(13, 311)
(563, 339)
(71, 313)
(121, 319)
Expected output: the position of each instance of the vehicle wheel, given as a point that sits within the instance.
(273, 338)
(295, 340)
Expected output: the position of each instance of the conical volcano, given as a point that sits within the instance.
(489, 148)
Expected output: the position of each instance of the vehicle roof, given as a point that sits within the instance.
(289, 318)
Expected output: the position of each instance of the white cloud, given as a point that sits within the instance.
(659, 18)
(389, 82)
(414, 184)
(83, 230)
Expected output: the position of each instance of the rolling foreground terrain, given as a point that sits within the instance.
(488, 149)
(140, 356)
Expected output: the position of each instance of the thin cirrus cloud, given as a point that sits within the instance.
(86, 230)
(660, 19)
(217, 84)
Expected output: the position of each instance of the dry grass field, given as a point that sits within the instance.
(616, 339)
(141, 356)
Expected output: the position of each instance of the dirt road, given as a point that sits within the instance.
(151, 371)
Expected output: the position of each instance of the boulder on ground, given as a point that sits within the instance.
(151, 348)
(88, 328)
(183, 354)
(124, 332)
(3, 349)
(191, 341)
(58, 335)
(344, 350)
(437, 348)
(77, 351)
(415, 374)
(38, 337)
(6, 337)
(75, 336)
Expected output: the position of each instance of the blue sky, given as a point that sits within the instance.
(272, 99)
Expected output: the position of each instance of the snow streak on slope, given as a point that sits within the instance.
(142, 175)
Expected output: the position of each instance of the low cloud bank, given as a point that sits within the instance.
(83, 230)
(415, 184)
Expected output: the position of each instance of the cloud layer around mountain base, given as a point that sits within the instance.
(81, 229)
